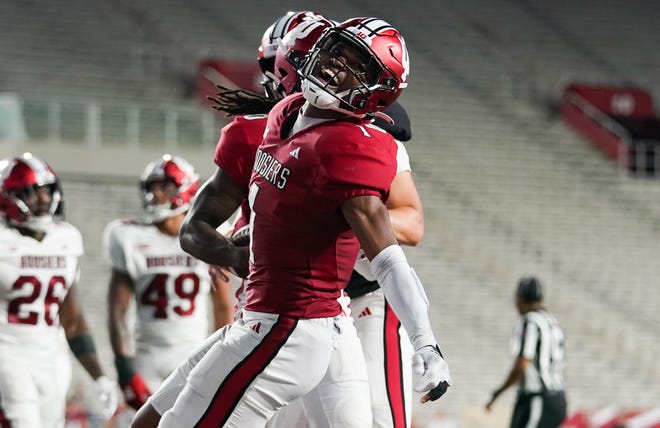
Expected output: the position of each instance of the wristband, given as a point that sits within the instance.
(82, 344)
(125, 368)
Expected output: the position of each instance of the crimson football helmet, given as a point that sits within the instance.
(173, 169)
(382, 69)
(270, 41)
(19, 178)
(293, 49)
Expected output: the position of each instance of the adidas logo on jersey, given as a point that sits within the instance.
(295, 152)
(256, 326)
(365, 312)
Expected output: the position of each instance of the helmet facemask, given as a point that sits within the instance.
(25, 217)
(155, 212)
(337, 55)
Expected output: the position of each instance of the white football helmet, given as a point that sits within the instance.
(173, 169)
(271, 40)
(19, 178)
(378, 61)
(292, 52)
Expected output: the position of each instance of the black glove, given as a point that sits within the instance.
(438, 391)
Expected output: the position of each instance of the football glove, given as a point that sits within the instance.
(438, 391)
(135, 391)
(241, 238)
(428, 363)
(106, 391)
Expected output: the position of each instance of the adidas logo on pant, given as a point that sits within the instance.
(365, 312)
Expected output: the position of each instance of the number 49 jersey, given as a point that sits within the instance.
(35, 277)
(171, 287)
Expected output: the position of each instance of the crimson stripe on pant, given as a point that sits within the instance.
(393, 367)
(233, 387)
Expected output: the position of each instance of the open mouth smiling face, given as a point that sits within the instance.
(341, 67)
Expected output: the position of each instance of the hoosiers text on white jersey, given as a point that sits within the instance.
(171, 287)
(35, 277)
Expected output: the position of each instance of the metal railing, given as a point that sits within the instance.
(98, 124)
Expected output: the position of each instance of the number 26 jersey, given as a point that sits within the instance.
(35, 277)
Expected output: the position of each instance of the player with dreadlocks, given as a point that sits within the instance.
(249, 111)
(378, 328)
(240, 102)
(319, 151)
(237, 147)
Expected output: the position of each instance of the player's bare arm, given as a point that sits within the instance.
(405, 208)
(78, 334)
(82, 346)
(371, 223)
(216, 201)
(516, 375)
(120, 293)
(222, 298)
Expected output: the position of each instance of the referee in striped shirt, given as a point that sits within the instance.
(539, 362)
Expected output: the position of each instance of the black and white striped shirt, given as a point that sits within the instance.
(540, 339)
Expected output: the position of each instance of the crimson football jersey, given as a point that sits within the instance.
(303, 250)
(235, 152)
(238, 143)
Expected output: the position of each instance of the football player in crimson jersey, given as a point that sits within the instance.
(378, 328)
(405, 210)
(39, 255)
(237, 148)
(319, 180)
(170, 287)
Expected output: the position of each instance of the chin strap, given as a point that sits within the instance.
(39, 224)
(161, 215)
(385, 117)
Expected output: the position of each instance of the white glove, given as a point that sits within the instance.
(428, 363)
(106, 391)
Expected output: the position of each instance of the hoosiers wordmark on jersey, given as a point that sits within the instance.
(43, 262)
(171, 260)
(271, 169)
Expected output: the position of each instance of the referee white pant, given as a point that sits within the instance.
(263, 362)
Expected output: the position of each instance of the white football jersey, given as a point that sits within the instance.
(171, 287)
(35, 277)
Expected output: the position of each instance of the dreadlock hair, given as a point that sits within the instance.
(236, 102)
